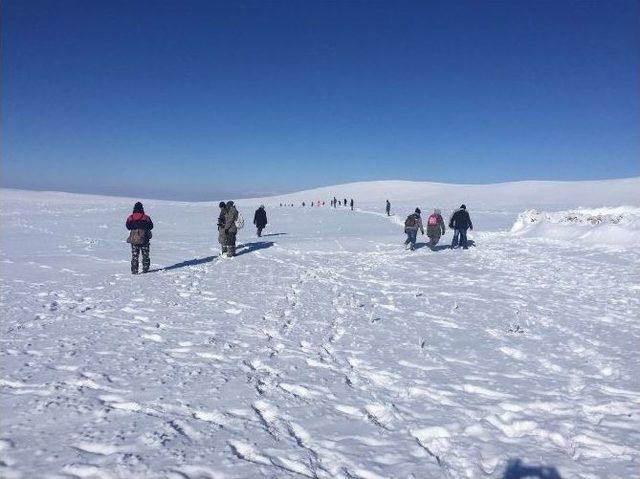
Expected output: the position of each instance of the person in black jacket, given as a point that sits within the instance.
(460, 222)
(260, 219)
(139, 226)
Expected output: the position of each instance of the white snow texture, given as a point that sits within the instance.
(325, 349)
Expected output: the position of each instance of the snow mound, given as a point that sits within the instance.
(619, 226)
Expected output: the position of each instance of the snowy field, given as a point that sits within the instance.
(324, 349)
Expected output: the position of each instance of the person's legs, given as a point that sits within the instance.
(259, 231)
(146, 261)
(408, 240)
(413, 236)
(454, 241)
(222, 239)
(231, 244)
(135, 255)
(463, 238)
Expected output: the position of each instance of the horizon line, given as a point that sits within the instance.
(338, 185)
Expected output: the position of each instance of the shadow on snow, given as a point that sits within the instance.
(190, 262)
(244, 249)
(435, 248)
(517, 470)
(256, 245)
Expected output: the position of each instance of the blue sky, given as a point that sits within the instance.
(201, 99)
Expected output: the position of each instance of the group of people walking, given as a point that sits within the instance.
(459, 222)
(230, 221)
(335, 202)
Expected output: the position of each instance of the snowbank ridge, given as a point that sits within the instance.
(618, 226)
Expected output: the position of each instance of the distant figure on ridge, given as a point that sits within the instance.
(230, 228)
(460, 222)
(260, 220)
(222, 238)
(140, 226)
(345, 202)
(435, 227)
(351, 204)
(388, 208)
(412, 224)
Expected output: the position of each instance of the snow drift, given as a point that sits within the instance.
(598, 226)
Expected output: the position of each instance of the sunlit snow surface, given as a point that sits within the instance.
(324, 349)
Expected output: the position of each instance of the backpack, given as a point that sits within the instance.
(433, 220)
(239, 222)
(137, 237)
(411, 221)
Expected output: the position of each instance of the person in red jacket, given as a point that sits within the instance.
(140, 226)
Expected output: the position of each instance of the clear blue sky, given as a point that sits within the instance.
(200, 99)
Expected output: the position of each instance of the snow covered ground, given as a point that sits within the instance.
(324, 349)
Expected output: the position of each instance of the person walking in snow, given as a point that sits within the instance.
(222, 237)
(435, 227)
(260, 220)
(335, 202)
(388, 208)
(351, 204)
(345, 202)
(230, 228)
(139, 226)
(412, 224)
(460, 222)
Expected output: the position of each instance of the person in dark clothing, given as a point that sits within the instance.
(260, 219)
(230, 228)
(222, 238)
(388, 208)
(139, 226)
(351, 204)
(460, 222)
(412, 224)
(345, 202)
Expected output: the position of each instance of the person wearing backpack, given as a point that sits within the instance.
(260, 219)
(388, 208)
(460, 222)
(139, 226)
(222, 239)
(412, 224)
(435, 227)
(230, 228)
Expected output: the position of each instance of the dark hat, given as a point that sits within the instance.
(418, 210)
(137, 208)
(222, 204)
(463, 207)
(229, 203)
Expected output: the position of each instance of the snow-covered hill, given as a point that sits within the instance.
(522, 194)
(324, 349)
